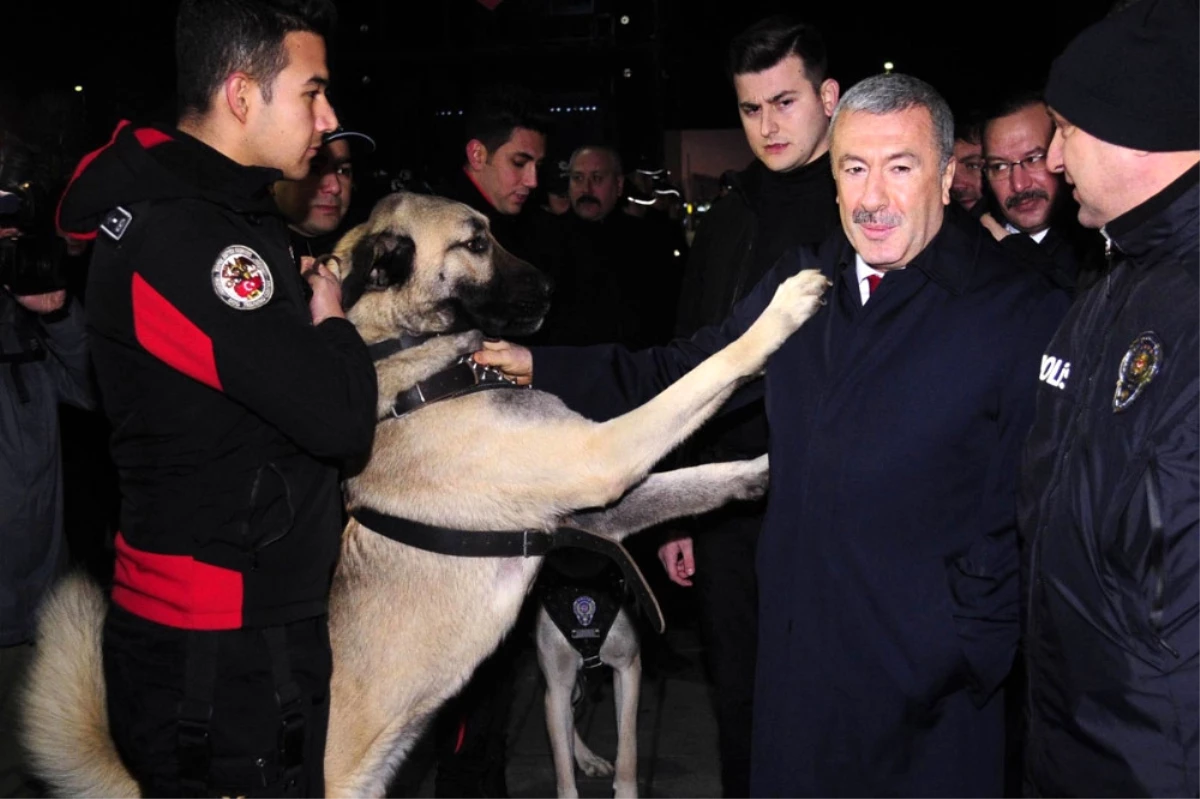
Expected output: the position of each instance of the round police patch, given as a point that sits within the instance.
(241, 279)
(584, 608)
(1139, 366)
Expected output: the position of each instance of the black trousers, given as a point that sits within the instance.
(726, 585)
(250, 751)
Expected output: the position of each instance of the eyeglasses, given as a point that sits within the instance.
(1002, 169)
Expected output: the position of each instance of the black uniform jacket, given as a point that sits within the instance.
(231, 413)
(1110, 518)
(888, 559)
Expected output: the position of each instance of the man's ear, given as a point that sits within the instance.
(948, 180)
(237, 91)
(477, 154)
(620, 186)
(830, 92)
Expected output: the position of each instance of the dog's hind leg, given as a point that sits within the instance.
(669, 495)
(560, 666)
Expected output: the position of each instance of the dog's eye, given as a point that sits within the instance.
(478, 245)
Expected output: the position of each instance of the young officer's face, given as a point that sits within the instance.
(785, 118)
(507, 176)
(286, 131)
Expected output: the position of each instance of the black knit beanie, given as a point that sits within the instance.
(1133, 78)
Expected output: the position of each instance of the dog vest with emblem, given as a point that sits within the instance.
(582, 592)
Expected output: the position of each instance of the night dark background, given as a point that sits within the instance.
(403, 68)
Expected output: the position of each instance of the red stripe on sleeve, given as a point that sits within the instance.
(176, 590)
(170, 336)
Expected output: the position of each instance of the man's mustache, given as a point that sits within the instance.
(882, 218)
(587, 198)
(960, 193)
(1028, 194)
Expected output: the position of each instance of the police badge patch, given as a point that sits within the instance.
(1139, 366)
(241, 279)
(584, 608)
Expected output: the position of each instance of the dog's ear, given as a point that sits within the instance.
(384, 260)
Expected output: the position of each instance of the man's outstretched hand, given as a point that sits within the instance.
(512, 360)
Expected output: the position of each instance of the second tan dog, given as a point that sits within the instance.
(582, 601)
(409, 626)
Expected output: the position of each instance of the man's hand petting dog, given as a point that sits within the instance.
(514, 361)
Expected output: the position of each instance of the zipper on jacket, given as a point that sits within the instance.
(1155, 572)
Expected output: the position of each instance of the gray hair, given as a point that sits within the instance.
(891, 93)
(614, 156)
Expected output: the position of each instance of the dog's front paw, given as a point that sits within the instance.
(798, 298)
(593, 765)
(468, 342)
(752, 483)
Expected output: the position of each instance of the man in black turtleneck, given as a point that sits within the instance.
(784, 199)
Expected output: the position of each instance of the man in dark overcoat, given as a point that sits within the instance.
(888, 562)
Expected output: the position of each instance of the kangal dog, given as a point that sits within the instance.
(409, 626)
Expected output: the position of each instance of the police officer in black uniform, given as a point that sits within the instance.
(1109, 504)
(233, 403)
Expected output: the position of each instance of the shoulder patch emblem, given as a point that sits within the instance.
(241, 279)
(1139, 366)
(115, 223)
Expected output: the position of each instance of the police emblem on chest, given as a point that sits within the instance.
(584, 608)
(1139, 366)
(241, 279)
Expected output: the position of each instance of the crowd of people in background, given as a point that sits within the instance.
(976, 570)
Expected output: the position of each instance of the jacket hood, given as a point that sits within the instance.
(145, 163)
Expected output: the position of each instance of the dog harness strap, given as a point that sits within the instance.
(510, 544)
(195, 710)
(461, 543)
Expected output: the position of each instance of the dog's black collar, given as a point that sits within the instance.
(463, 377)
(382, 349)
(510, 544)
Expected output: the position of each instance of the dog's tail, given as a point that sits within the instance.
(64, 720)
